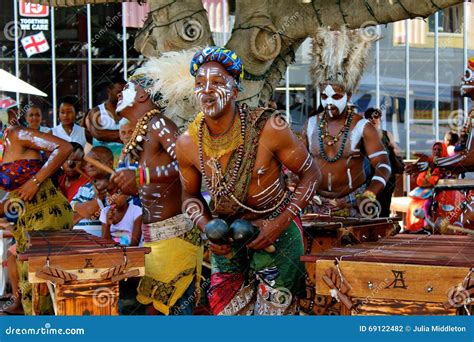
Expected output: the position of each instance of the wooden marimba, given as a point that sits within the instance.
(402, 275)
(321, 233)
(81, 270)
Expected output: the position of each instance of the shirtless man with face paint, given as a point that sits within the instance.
(238, 153)
(338, 139)
(150, 169)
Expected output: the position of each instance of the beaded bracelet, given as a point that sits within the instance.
(142, 178)
(137, 176)
(370, 195)
(147, 175)
(36, 181)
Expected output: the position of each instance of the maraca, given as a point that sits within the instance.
(243, 232)
(217, 231)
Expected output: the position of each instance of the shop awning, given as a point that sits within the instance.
(13, 84)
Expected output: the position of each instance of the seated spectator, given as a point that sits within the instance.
(421, 197)
(33, 119)
(125, 132)
(90, 198)
(122, 221)
(68, 129)
(73, 177)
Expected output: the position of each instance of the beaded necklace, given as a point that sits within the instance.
(215, 146)
(133, 147)
(217, 185)
(323, 133)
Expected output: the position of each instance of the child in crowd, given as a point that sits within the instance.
(68, 129)
(450, 140)
(73, 178)
(121, 221)
(91, 197)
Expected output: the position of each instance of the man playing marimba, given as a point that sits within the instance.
(340, 140)
(175, 261)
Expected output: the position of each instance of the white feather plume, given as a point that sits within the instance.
(175, 83)
(339, 57)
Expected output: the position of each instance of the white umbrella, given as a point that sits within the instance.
(8, 82)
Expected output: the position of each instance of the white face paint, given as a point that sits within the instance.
(128, 97)
(330, 101)
(213, 90)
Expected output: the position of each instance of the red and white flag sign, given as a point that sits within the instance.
(35, 44)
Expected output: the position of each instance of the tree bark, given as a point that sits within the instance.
(267, 32)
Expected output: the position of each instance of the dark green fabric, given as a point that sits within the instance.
(286, 259)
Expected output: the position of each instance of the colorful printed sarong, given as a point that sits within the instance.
(254, 282)
(48, 210)
(174, 263)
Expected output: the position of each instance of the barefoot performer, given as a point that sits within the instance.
(238, 153)
(174, 265)
(34, 203)
(340, 140)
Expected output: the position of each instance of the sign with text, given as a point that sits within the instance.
(28, 9)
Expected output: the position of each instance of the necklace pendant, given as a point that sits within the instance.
(330, 143)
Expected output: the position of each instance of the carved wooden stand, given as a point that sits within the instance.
(81, 271)
(322, 233)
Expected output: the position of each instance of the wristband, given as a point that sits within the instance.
(140, 172)
(370, 195)
(147, 176)
(137, 176)
(36, 181)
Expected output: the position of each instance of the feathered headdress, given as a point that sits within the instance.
(339, 57)
(172, 86)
